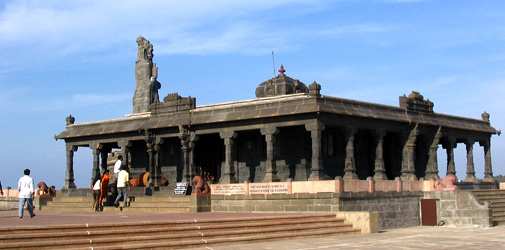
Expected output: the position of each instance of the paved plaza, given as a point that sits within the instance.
(401, 238)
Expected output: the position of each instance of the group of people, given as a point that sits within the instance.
(100, 189)
(100, 186)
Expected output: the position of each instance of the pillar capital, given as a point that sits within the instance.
(379, 134)
(269, 131)
(228, 134)
(122, 144)
(71, 148)
(315, 126)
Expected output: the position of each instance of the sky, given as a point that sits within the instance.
(78, 57)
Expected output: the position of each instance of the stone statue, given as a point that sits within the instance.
(146, 74)
(200, 186)
(446, 184)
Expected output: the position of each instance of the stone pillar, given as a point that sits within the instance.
(350, 165)
(450, 145)
(316, 170)
(432, 168)
(104, 154)
(488, 170)
(184, 137)
(157, 165)
(270, 137)
(125, 152)
(149, 138)
(95, 172)
(380, 170)
(470, 167)
(193, 138)
(228, 175)
(69, 175)
(409, 154)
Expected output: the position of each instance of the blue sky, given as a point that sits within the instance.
(77, 57)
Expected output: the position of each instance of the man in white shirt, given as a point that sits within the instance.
(117, 166)
(25, 188)
(123, 180)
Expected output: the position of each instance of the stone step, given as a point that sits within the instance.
(496, 198)
(172, 235)
(181, 232)
(160, 204)
(181, 224)
(73, 199)
(161, 198)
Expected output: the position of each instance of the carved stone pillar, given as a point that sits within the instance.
(228, 175)
(184, 137)
(409, 154)
(125, 152)
(193, 138)
(316, 170)
(104, 154)
(488, 170)
(449, 147)
(69, 175)
(157, 164)
(149, 138)
(432, 168)
(380, 170)
(470, 167)
(95, 172)
(270, 137)
(350, 165)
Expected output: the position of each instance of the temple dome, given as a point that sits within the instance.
(280, 85)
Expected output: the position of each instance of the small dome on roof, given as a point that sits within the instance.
(280, 85)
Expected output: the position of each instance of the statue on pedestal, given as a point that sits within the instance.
(146, 74)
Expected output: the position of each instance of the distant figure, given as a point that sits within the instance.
(103, 188)
(1, 189)
(25, 188)
(117, 166)
(52, 191)
(122, 181)
(95, 185)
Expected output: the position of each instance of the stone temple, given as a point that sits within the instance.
(290, 132)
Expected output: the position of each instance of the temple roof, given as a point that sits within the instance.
(274, 107)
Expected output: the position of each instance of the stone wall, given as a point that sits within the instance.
(320, 202)
(394, 209)
(461, 208)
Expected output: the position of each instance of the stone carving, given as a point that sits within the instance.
(200, 186)
(446, 184)
(415, 102)
(45, 191)
(146, 73)
(281, 85)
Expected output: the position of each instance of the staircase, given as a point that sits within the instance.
(173, 234)
(497, 199)
(161, 201)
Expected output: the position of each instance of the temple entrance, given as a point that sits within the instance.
(209, 155)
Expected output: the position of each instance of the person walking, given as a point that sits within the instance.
(25, 188)
(122, 181)
(95, 185)
(104, 188)
(117, 165)
(1, 189)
